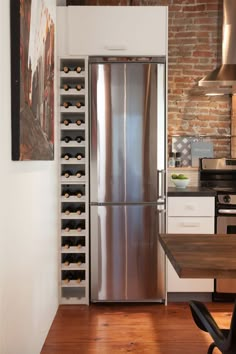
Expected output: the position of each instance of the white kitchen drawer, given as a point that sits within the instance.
(176, 284)
(191, 206)
(191, 225)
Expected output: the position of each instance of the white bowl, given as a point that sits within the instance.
(180, 183)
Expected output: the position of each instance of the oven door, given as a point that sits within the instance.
(226, 224)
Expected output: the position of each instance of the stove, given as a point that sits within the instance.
(220, 175)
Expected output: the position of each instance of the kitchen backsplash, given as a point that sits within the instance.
(191, 149)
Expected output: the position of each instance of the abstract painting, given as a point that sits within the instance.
(32, 79)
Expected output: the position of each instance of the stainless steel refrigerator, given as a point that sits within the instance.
(127, 178)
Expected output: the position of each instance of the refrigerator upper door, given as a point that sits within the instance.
(124, 109)
(127, 264)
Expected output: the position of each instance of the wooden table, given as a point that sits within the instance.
(201, 255)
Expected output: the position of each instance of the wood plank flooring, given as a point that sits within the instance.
(129, 328)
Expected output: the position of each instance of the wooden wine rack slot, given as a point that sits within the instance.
(74, 266)
(73, 161)
(73, 199)
(73, 233)
(72, 144)
(72, 109)
(73, 216)
(72, 92)
(74, 283)
(73, 291)
(74, 249)
(72, 74)
(73, 179)
(72, 126)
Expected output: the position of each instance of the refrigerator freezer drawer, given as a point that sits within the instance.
(125, 262)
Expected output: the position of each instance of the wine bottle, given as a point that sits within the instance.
(66, 122)
(68, 259)
(79, 211)
(79, 194)
(67, 243)
(66, 69)
(67, 277)
(78, 69)
(79, 104)
(78, 87)
(79, 227)
(79, 259)
(79, 174)
(79, 156)
(79, 122)
(66, 156)
(67, 104)
(78, 245)
(66, 87)
(67, 211)
(67, 174)
(66, 194)
(69, 227)
(79, 139)
(66, 139)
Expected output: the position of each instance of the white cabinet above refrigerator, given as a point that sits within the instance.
(112, 30)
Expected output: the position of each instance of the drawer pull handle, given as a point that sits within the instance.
(115, 47)
(186, 224)
(189, 207)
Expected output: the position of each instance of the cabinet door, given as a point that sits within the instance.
(116, 30)
(190, 225)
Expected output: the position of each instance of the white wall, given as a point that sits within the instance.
(28, 231)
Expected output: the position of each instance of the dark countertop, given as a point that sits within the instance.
(201, 256)
(191, 192)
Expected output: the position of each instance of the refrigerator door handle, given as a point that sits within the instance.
(161, 214)
(161, 185)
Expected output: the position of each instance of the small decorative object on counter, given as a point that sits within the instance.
(180, 180)
(178, 160)
(172, 159)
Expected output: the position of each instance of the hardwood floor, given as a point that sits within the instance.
(129, 328)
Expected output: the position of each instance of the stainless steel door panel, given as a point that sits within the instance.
(124, 254)
(124, 132)
(226, 225)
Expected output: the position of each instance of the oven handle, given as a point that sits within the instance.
(227, 211)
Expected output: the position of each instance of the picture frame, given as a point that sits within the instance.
(32, 38)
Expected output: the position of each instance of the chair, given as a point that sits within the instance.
(224, 339)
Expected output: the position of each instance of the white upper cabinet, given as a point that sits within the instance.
(112, 30)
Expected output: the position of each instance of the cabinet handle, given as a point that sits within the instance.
(115, 47)
(189, 224)
(189, 207)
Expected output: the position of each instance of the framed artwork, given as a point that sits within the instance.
(32, 79)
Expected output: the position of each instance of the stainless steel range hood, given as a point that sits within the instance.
(222, 80)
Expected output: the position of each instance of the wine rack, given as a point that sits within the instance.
(74, 187)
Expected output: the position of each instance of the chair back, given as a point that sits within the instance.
(205, 321)
(196, 317)
(232, 331)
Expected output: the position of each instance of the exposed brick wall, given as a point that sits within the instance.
(195, 34)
